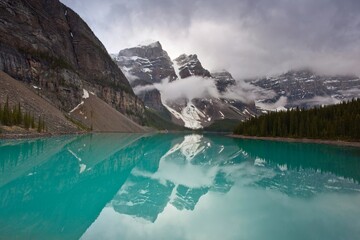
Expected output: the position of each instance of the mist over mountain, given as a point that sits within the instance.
(188, 94)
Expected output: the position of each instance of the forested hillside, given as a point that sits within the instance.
(340, 121)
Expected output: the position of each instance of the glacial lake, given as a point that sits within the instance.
(176, 186)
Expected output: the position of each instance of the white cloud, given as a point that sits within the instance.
(247, 37)
(189, 88)
(318, 101)
(247, 92)
(279, 105)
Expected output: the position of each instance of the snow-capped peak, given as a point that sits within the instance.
(150, 43)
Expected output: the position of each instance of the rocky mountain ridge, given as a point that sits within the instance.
(306, 89)
(47, 45)
(149, 65)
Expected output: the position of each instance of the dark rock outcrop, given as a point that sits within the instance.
(223, 80)
(189, 65)
(44, 43)
(150, 63)
(145, 65)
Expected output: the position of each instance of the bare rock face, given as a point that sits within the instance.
(146, 65)
(46, 44)
(149, 63)
(223, 80)
(189, 65)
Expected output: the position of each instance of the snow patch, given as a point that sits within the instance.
(247, 112)
(222, 115)
(82, 102)
(190, 115)
(86, 94)
(146, 70)
(177, 69)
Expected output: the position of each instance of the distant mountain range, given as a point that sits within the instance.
(306, 89)
(148, 66)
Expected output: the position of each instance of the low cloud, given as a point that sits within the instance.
(200, 87)
(247, 92)
(279, 105)
(318, 101)
(351, 93)
(189, 88)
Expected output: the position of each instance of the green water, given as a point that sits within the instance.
(128, 186)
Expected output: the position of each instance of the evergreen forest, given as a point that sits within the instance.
(335, 122)
(13, 116)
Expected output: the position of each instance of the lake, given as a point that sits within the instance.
(176, 186)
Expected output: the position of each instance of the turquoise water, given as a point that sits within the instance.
(169, 186)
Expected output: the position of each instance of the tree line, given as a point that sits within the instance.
(13, 116)
(337, 122)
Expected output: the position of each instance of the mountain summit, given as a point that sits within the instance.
(152, 74)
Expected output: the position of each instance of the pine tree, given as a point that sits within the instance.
(6, 113)
(332, 122)
(1, 114)
(39, 126)
(32, 121)
(27, 121)
(19, 116)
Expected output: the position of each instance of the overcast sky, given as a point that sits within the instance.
(247, 37)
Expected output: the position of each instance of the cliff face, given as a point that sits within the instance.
(46, 44)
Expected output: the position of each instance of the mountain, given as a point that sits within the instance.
(47, 45)
(305, 89)
(148, 63)
(149, 66)
(189, 65)
(223, 80)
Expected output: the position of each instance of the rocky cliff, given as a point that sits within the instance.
(223, 80)
(46, 44)
(189, 65)
(145, 65)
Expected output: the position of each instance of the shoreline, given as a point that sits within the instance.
(299, 140)
(22, 136)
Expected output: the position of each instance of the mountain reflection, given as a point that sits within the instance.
(56, 188)
(304, 169)
(188, 170)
